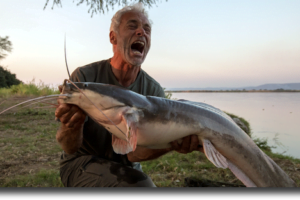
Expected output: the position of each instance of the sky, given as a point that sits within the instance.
(195, 43)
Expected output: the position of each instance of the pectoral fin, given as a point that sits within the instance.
(130, 118)
(121, 146)
(213, 155)
(220, 161)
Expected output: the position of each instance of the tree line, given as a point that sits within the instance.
(7, 79)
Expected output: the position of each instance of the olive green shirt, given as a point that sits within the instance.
(96, 139)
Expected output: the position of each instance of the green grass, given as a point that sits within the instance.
(262, 143)
(29, 151)
(282, 157)
(43, 178)
(242, 120)
(171, 169)
(29, 89)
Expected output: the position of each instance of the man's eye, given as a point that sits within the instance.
(148, 30)
(132, 27)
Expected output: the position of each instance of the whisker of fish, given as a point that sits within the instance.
(42, 101)
(46, 107)
(2, 102)
(35, 99)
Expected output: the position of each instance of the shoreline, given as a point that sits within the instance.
(232, 91)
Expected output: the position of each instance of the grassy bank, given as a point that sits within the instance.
(29, 153)
(29, 89)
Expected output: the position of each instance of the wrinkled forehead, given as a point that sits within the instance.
(135, 17)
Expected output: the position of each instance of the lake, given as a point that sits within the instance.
(275, 116)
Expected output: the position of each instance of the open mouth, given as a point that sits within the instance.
(138, 47)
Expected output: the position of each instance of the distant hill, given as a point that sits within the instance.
(274, 86)
(285, 86)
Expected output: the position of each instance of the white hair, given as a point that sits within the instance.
(116, 19)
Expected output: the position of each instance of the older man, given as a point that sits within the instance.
(88, 158)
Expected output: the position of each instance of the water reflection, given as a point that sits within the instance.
(271, 115)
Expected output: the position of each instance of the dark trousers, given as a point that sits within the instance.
(91, 171)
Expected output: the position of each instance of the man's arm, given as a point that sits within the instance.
(189, 143)
(143, 154)
(72, 118)
(69, 135)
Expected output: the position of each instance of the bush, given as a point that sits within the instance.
(30, 88)
(262, 143)
(7, 79)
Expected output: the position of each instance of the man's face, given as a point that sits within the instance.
(133, 39)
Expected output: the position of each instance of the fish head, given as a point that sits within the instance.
(91, 97)
(97, 101)
(69, 91)
(105, 94)
(68, 94)
(68, 88)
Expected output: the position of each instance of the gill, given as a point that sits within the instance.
(69, 80)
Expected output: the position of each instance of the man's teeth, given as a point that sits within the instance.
(136, 52)
(142, 43)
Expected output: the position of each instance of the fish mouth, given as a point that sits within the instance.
(68, 88)
(137, 47)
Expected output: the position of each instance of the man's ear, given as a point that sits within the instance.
(112, 38)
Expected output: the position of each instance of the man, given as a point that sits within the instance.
(88, 158)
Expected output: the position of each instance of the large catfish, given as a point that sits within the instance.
(153, 122)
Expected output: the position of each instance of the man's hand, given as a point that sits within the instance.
(189, 143)
(69, 136)
(70, 115)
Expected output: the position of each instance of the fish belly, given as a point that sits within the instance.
(158, 136)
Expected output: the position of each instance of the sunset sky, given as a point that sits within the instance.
(195, 43)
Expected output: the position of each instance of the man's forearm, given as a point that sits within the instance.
(143, 154)
(70, 139)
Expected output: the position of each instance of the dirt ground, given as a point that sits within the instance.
(27, 140)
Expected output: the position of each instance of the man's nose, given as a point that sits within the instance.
(140, 32)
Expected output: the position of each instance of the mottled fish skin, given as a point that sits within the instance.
(159, 121)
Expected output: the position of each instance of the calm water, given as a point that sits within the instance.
(271, 115)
